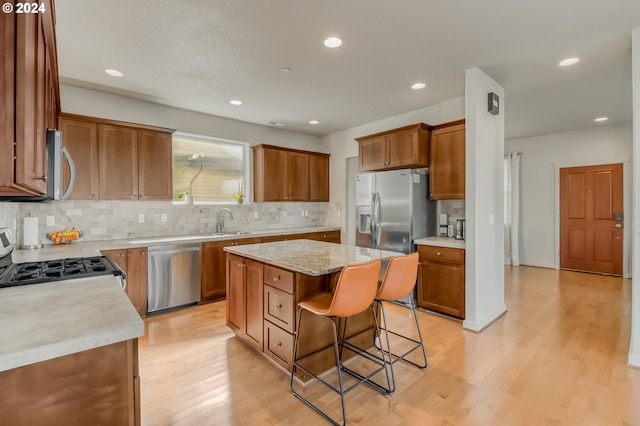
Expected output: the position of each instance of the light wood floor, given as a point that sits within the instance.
(558, 357)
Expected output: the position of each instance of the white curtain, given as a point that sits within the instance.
(512, 209)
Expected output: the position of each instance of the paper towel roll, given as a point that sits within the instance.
(30, 231)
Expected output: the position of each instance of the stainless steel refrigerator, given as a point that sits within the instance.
(392, 209)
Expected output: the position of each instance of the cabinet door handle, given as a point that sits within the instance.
(278, 307)
(276, 278)
(438, 253)
(277, 345)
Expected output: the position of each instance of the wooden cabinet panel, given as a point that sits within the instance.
(213, 267)
(155, 181)
(288, 237)
(245, 299)
(278, 278)
(278, 345)
(441, 283)
(298, 176)
(447, 170)
(405, 147)
(279, 308)
(81, 140)
(93, 387)
(318, 177)
(283, 174)
(329, 236)
(118, 160)
(133, 262)
(137, 278)
(254, 303)
(235, 293)
(29, 99)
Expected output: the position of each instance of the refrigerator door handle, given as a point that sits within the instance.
(373, 219)
(378, 229)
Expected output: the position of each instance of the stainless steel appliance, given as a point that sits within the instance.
(7, 244)
(173, 276)
(56, 154)
(460, 229)
(392, 209)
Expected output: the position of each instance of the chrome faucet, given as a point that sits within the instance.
(219, 219)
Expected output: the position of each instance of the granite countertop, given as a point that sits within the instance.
(441, 242)
(309, 257)
(93, 248)
(49, 320)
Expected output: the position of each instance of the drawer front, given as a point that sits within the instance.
(441, 254)
(278, 278)
(279, 308)
(278, 345)
(328, 236)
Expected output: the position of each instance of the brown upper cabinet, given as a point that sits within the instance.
(283, 174)
(117, 160)
(447, 168)
(405, 147)
(29, 99)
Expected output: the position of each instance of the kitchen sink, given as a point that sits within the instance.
(226, 234)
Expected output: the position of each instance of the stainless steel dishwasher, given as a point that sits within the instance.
(173, 276)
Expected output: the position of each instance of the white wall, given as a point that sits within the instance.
(342, 144)
(634, 347)
(104, 105)
(541, 157)
(484, 281)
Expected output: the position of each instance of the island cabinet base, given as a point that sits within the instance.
(268, 296)
(99, 386)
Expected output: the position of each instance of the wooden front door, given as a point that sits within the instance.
(591, 220)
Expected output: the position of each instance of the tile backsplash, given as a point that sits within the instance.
(106, 220)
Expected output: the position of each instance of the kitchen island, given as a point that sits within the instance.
(266, 281)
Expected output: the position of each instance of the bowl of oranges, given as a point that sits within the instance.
(66, 236)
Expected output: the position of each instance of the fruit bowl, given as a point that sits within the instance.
(64, 237)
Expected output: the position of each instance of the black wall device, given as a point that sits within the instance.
(493, 103)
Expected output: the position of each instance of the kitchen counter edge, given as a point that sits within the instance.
(441, 242)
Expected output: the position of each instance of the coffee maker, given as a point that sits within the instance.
(460, 229)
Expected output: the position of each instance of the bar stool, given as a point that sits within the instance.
(354, 293)
(398, 283)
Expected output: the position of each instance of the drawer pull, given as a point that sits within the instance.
(438, 253)
(277, 345)
(278, 307)
(276, 278)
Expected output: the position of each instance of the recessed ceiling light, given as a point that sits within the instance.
(333, 42)
(313, 122)
(568, 61)
(417, 86)
(285, 69)
(601, 119)
(114, 73)
(235, 102)
(273, 123)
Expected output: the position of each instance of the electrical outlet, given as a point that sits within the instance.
(256, 215)
(163, 217)
(51, 221)
(141, 218)
(306, 213)
(302, 213)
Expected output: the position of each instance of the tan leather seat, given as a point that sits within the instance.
(354, 293)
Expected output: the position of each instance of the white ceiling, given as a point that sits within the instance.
(200, 54)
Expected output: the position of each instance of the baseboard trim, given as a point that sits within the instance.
(634, 360)
(478, 327)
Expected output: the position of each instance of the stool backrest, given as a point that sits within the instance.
(356, 289)
(399, 278)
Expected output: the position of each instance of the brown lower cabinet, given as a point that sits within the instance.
(99, 386)
(133, 262)
(441, 280)
(213, 259)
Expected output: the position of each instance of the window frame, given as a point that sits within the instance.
(246, 166)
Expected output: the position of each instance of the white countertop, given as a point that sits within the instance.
(49, 320)
(441, 242)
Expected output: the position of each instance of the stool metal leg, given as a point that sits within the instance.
(417, 343)
(384, 360)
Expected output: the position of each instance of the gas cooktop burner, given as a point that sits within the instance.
(57, 270)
